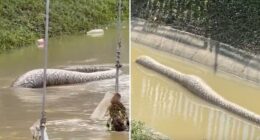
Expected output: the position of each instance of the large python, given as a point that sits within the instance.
(66, 75)
(199, 88)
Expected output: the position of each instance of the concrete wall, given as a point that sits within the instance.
(217, 55)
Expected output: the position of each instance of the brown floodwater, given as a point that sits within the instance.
(68, 107)
(172, 110)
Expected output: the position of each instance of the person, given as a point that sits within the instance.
(118, 119)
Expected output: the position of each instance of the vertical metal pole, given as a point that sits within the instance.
(43, 119)
(118, 65)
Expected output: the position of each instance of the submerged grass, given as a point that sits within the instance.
(140, 132)
(22, 21)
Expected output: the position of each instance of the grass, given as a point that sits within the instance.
(140, 132)
(22, 21)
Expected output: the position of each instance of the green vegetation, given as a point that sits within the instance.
(235, 22)
(22, 21)
(140, 132)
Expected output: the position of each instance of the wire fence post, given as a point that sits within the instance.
(43, 115)
(118, 65)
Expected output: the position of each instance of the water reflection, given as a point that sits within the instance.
(171, 101)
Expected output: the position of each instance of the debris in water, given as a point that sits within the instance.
(95, 33)
(40, 43)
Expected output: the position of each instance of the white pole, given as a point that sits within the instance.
(45, 67)
(118, 65)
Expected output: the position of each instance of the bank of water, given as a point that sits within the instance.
(68, 107)
(171, 109)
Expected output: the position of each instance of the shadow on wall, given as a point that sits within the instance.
(171, 104)
(218, 53)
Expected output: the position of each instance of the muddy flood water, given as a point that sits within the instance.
(68, 107)
(172, 110)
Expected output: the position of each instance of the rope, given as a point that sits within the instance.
(118, 65)
(43, 114)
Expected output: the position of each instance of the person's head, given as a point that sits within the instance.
(116, 98)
